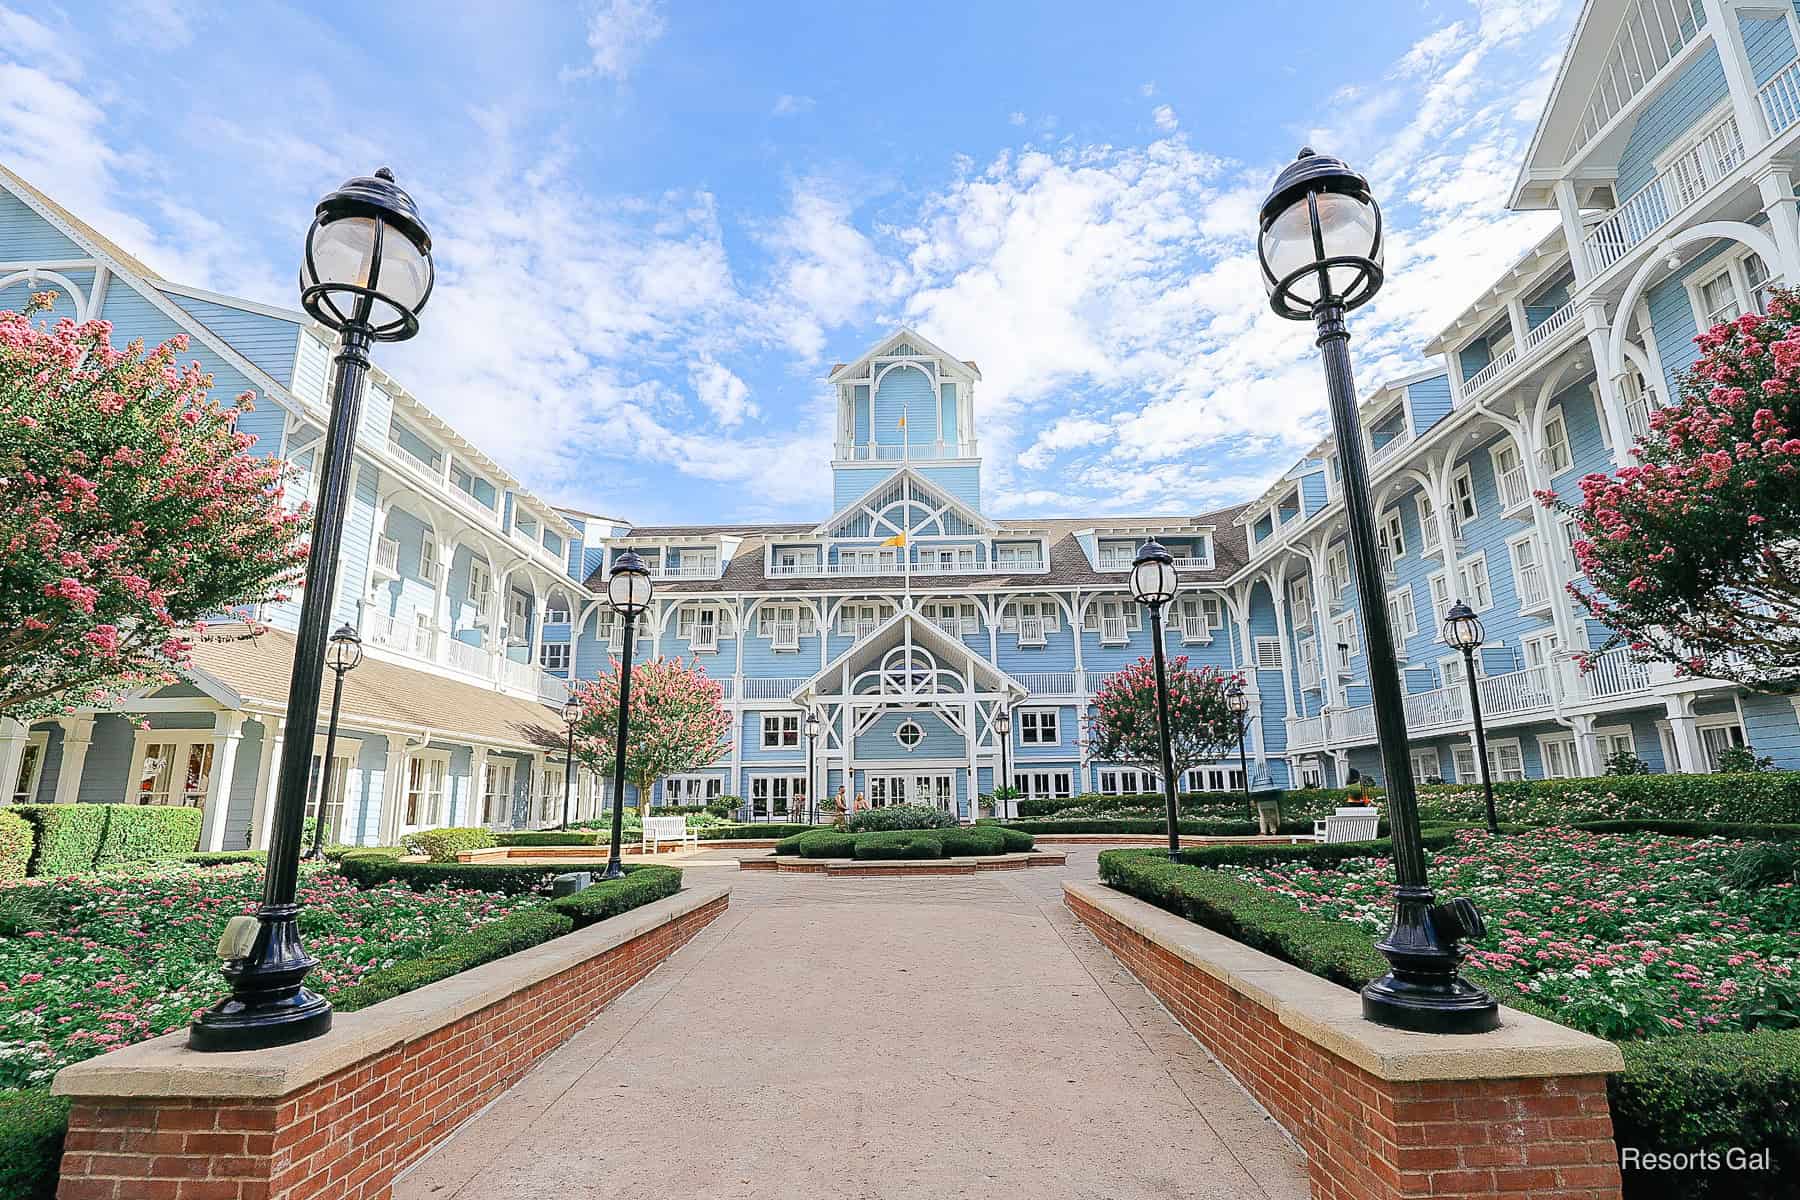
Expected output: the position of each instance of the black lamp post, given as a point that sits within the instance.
(812, 735)
(364, 274)
(571, 714)
(1237, 697)
(628, 591)
(1153, 585)
(1463, 631)
(1319, 242)
(1003, 727)
(342, 656)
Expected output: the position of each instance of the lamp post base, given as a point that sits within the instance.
(1422, 990)
(268, 1005)
(1452, 1007)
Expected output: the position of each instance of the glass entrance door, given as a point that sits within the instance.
(937, 790)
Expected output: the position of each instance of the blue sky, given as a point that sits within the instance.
(659, 223)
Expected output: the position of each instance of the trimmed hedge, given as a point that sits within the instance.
(1015, 841)
(610, 897)
(1759, 797)
(516, 931)
(1710, 1091)
(972, 841)
(32, 1125)
(1203, 804)
(549, 837)
(1749, 830)
(1157, 825)
(713, 833)
(72, 839)
(900, 843)
(16, 843)
(900, 816)
(819, 843)
(443, 845)
(368, 869)
(67, 836)
(225, 858)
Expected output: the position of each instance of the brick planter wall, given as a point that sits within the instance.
(348, 1134)
(1369, 1135)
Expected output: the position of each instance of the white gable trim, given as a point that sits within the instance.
(982, 525)
(922, 632)
(949, 364)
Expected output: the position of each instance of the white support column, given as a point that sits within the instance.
(1776, 185)
(274, 731)
(393, 792)
(13, 737)
(1568, 208)
(1728, 34)
(1587, 747)
(475, 815)
(228, 732)
(1516, 319)
(78, 735)
(1690, 752)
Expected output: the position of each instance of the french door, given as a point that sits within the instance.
(774, 797)
(936, 790)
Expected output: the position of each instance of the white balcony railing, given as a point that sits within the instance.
(465, 657)
(1189, 563)
(1050, 683)
(704, 569)
(1309, 672)
(1515, 492)
(1305, 733)
(1525, 350)
(786, 635)
(1437, 708)
(399, 633)
(552, 689)
(1380, 453)
(1780, 98)
(1112, 631)
(1534, 587)
(1651, 34)
(1031, 631)
(1657, 202)
(1614, 673)
(387, 555)
(520, 675)
(1195, 629)
(1515, 692)
(771, 689)
(879, 452)
(1354, 724)
(704, 637)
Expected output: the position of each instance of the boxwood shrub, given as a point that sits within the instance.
(16, 842)
(1205, 805)
(1134, 825)
(443, 845)
(135, 833)
(972, 841)
(516, 931)
(712, 833)
(900, 843)
(609, 897)
(549, 837)
(1765, 797)
(32, 1125)
(901, 816)
(225, 858)
(66, 836)
(1015, 841)
(369, 868)
(819, 843)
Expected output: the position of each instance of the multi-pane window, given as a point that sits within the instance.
(1117, 556)
(23, 788)
(692, 789)
(858, 620)
(496, 791)
(1044, 785)
(1017, 556)
(1125, 781)
(1346, 640)
(425, 788)
(1560, 761)
(1197, 616)
(554, 657)
(1557, 457)
(785, 624)
(174, 772)
(948, 559)
(1462, 498)
(428, 557)
(556, 611)
(1300, 601)
(1212, 779)
(780, 730)
(1615, 741)
(1031, 620)
(776, 795)
(1393, 534)
(1401, 617)
(1506, 763)
(1472, 575)
(1716, 739)
(1337, 569)
(1425, 765)
(1112, 619)
(481, 584)
(699, 627)
(1756, 275)
(953, 617)
(1037, 727)
(1439, 583)
(1428, 530)
(1718, 299)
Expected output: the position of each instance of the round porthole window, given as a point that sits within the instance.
(909, 734)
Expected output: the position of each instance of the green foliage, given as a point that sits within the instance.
(517, 931)
(1769, 865)
(225, 858)
(67, 836)
(1304, 802)
(1201, 726)
(723, 833)
(32, 1125)
(819, 843)
(366, 870)
(135, 833)
(1015, 841)
(1624, 762)
(1713, 1092)
(1157, 825)
(677, 721)
(901, 816)
(972, 841)
(548, 837)
(16, 841)
(899, 843)
(1752, 831)
(1765, 796)
(443, 845)
(723, 807)
(609, 897)
(1741, 760)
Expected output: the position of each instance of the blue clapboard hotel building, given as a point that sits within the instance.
(910, 620)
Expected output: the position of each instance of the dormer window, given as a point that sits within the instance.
(1018, 557)
(1117, 556)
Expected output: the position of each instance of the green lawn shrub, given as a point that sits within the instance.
(443, 845)
(136, 833)
(16, 842)
(32, 1126)
(1193, 828)
(368, 869)
(640, 885)
(901, 816)
(1765, 797)
(1203, 805)
(225, 858)
(1015, 841)
(900, 843)
(66, 837)
(774, 829)
(512, 933)
(972, 841)
(819, 843)
(549, 837)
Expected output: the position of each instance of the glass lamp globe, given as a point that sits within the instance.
(571, 711)
(1462, 628)
(812, 724)
(628, 587)
(1237, 699)
(345, 650)
(1319, 237)
(367, 259)
(1153, 575)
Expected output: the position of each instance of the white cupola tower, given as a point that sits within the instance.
(906, 402)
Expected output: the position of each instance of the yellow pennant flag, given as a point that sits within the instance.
(899, 539)
(903, 420)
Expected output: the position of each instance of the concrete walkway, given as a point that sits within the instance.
(933, 1037)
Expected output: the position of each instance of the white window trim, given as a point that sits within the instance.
(775, 721)
(436, 808)
(1729, 263)
(1403, 597)
(1494, 747)
(1555, 413)
(1393, 529)
(181, 739)
(544, 649)
(900, 735)
(1419, 758)
(1487, 574)
(41, 739)
(1263, 646)
(1546, 740)
(1062, 783)
(1039, 716)
(1463, 473)
(1337, 569)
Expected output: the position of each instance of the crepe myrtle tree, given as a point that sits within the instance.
(1202, 725)
(131, 509)
(678, 722)
(1689, 555)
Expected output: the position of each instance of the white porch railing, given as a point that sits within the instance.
(1677, 186)
(771, 689)
(1031, 631)
(1305, 733)
(387, 555)
(464, 657)
(552, 689)
(1525, 350)
(1389, 447)
(706, 569)
(1515, 492)
(880, 452)
(1354, 724)
(1437, 708)
(1112, 631)
(1534, 588)
(1515, 692)
(1780, 98)
(1614, 674)
(520, 675)
(399, 633)
(1049, 683)
(1195, 629)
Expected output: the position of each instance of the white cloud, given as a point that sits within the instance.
(792, 106)
(1147, 89)
(1165, 119)
(725, 395)
(1017, 118)
(618, 34)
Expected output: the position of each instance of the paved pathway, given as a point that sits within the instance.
(932, 1038)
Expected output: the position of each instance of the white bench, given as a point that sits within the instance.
(1356, 823)
(658, 830)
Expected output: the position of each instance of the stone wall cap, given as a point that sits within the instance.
(1331, 1017)
(165, 1067)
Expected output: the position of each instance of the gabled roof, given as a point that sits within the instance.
(906, 624)
(973, 517)
(83, 231)
(956, 368)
